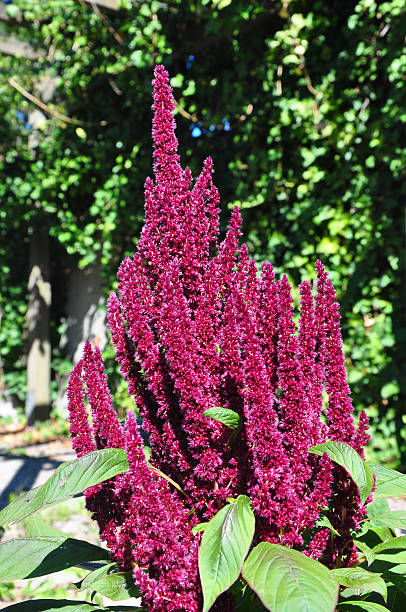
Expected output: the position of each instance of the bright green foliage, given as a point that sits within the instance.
(31, 557)
(71, 478)
(391, 519)
(282, 578)
(224, 415)
(354, 606)
(225, 544)
(389, 483)
(115, 586)
(301, 106)
(349, 459)
(285, 580)
(368, 553)
(358, 578)
(64, 605)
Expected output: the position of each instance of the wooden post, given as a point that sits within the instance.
(37, 405)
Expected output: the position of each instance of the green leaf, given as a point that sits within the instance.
(394, 543)
(225, 544)
(369, 606)
(70, 478)
(358, 578)
(389, 483)
(398, 569)
(63, 605)
(377, 507)
(220, 4)
(323, 521)
(383, 533)
(286, 580)
(349, 459)
(53, 605)
(32, 557)
(224, 415)
(35, 527)
(394, 557)
(397, 579)
(391, 519)
(364, 528)
(147, 452)
(115, 586)
(366, 550)
(98, 573)
(199, 527)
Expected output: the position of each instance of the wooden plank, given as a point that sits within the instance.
(112, 5)
(108, 4)
(4, 16)
(19, 48)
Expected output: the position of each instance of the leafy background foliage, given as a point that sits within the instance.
(299, 103)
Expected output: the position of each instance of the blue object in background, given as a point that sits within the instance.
(196, 132)
(227, 126)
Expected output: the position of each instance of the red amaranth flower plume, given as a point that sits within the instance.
(195, 326)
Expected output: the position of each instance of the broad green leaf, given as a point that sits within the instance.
(71, 478)
(35, 527)
(32, 557)
(199, 527)
(397, 579)
(224, 546)
(115, 586)
(323, 521)
(395, 557)
(365, 527)
(396, 543)
(369, 606)
(398, 569)
(366, 550)
(391, 519)
(96, 574)
(286, 580)
(53, 605)
(358, 578)
(349, 459)
(389, 483)
(224, 415)
(383, 533)
(147, 452)
(63, 605)
(377, 507)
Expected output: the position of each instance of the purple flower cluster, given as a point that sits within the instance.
(195, 326)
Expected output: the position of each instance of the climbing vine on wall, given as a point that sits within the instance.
(300, 102)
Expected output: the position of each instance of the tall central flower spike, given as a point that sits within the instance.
(195, 326)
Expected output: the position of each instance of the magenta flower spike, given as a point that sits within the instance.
(80, 430)
(107, 430)
(195, 326)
